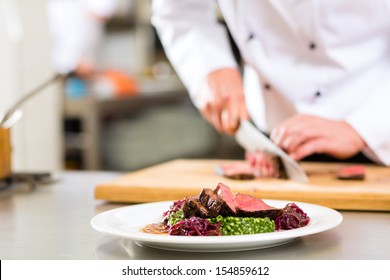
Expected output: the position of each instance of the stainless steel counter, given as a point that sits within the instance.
(53, 222)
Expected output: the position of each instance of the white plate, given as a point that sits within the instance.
(126, 222)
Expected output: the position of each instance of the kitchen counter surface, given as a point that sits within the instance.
(53, 222)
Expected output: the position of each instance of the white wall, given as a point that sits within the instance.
(36, 139)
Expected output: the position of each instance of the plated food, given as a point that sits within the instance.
(127, 222)
(220, 212)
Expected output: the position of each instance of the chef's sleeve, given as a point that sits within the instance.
(371, 120)
(195, 43)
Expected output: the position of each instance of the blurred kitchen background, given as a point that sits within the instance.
(84, 124)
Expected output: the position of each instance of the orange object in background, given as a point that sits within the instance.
(117, 83)
(5, 153)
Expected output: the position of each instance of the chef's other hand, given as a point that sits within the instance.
(223, 105)
(304, 135)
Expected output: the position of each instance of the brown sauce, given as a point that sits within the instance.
(155, 229)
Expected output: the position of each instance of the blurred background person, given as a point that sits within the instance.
(77, 28)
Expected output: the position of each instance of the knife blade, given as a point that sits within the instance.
(251, 139)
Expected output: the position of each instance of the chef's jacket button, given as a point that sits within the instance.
(251, 36)
(312, 46)
(267, 86)
(317, 94)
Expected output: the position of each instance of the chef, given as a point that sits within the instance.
(76, 27)
(316, 73)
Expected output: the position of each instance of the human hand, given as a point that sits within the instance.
(85, 69)
(224, 105)
(262, 163)
(303, 135)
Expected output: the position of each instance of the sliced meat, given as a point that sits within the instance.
(352, 172)
(237, 171)
(249, 206)
(209, 199)
(228, 207)
(206, 195)
(257, 164)
(250, 203)
(266, 165)
(221, 201)
(193, 208)
(282, 173)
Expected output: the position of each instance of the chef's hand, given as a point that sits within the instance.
(304, 135)
(223, 105)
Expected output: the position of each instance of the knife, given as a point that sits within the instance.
(251, 139)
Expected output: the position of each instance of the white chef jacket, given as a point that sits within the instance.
(325, 58)
(76, 33)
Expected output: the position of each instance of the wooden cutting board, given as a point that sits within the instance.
(182, 178)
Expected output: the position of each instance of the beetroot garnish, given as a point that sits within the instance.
(292, 217)
(175, 206)
(195, 226)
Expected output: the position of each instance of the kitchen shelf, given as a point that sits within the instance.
(84, 144)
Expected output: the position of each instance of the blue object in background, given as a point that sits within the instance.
(75, 88)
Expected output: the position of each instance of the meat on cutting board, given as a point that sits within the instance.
(351, 172)
(257, 164)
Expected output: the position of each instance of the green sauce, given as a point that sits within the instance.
(244, 225)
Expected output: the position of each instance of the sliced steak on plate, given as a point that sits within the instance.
(249, 206)
(229, 203)
(209, 199)
(221, 201)
(193, 208)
